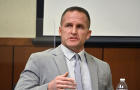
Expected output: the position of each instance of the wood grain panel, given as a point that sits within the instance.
(16, 41)
(97, 52)
(21, 56)
(5, 68)
(124, 62)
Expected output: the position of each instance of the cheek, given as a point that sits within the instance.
(64, 35)
(83, 35)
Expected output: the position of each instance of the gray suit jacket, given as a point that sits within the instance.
(42, 67)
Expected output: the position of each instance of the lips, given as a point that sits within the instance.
(73, 38)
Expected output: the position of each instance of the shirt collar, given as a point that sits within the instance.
(82, 54)
(67, 52)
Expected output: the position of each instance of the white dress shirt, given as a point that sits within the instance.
(69, 56)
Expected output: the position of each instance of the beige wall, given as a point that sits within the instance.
(17, 18)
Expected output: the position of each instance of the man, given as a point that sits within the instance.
(55, 69)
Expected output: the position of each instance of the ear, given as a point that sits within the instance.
(88, 34)
(60, 30)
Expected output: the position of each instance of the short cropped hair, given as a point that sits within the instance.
(79, 9)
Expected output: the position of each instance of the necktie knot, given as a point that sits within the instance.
(77, 57)
(77, 60)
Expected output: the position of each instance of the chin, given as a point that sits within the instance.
(73, 45)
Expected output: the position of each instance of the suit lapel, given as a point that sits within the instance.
(60, 61)
(61, 64)
(93, 72)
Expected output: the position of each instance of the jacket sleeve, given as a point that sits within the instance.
(30, 77)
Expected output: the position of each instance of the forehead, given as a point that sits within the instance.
(74, 16)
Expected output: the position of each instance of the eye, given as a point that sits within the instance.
(68, 25)
(80, 26)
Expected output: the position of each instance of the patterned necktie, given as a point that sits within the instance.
(77, 71)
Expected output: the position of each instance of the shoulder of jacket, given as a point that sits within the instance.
(45, 52)
(96, 60)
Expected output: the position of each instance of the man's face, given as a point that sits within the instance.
(74, 30)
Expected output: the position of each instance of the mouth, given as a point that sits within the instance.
(73, 38)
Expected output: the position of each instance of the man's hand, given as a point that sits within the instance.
(62, 82)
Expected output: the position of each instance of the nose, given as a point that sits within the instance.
(74, 30)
